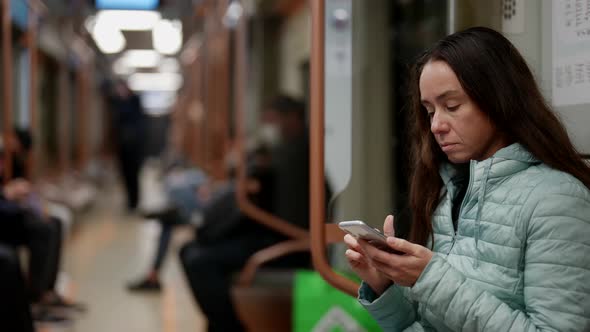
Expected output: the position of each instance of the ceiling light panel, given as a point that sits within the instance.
(126, 4)
(108, 38)
(131, 20)
(141, 58)
(167, 36)
(155, 81)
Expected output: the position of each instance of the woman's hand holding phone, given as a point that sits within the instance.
(361, 264)
(379, 268)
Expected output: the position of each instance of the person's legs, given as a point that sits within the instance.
(22, 227)
(15, 311)
(151, 282)
(54, 255)
(209, 270)
(63, 214)
(130, 166)
(210, 285)
(163, 244)
(39, 240)
(50, 296)
(168, 221)
(133, 182)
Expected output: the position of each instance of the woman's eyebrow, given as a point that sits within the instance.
(446, 94)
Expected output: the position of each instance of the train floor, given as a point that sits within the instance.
(105, 250)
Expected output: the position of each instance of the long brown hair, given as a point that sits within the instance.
(496, 77)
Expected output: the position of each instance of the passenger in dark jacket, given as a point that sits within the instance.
(129, 124)
(210, 263)
(15, 312)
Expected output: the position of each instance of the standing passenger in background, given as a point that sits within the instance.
(128, 122)
(500, 237)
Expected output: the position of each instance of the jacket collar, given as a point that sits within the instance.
(505, 162)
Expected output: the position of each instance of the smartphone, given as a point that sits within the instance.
(360, 230)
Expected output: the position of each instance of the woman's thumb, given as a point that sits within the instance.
(388, 228)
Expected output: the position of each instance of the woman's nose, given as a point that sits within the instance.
(438, 125)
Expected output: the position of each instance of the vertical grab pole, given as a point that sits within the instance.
(7, 86)
(317, 178)
(33, 74)
(82, 109)
(240, 71)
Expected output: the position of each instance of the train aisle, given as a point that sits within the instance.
(106, 250)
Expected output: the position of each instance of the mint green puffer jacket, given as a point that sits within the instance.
(519, 261)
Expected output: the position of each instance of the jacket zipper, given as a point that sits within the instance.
(469, 185)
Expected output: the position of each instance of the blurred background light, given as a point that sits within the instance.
(233, 14)
(140, 58)
(158, 103)
(108, 38)
(121, 69)
(167, 36)
(126, 4)
(132, 20)
(155, 81)
(169, 65)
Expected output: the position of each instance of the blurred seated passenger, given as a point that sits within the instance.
(25, 223)
(215, 210)
(181, 184)
(21, 226)
(500, 199)
(228, 238)
(15, 311)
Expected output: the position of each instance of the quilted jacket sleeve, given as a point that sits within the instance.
(556, 272)
(392, 310)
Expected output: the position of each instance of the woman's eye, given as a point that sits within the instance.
(430, 115)
(453, 108)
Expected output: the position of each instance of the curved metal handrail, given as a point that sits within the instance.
(268, 254)
(334, 235)
(317, 176)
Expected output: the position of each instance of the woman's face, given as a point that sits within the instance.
(460, 128)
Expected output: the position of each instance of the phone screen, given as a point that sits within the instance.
(360, 230)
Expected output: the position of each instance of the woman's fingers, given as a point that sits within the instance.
(352, 242)
(404, 246)
(388, 228)
(354, 255)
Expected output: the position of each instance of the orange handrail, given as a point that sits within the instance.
(33, 74)
(268, 254)
(317, 176)
(64, 119)
(216, 63)
(7, 86)
(82, 110)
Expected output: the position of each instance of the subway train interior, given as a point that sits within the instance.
(182, 165)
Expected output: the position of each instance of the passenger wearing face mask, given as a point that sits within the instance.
(280, 184)
(269, 134)
(290, 159)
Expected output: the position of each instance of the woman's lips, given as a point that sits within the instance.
(448, 147)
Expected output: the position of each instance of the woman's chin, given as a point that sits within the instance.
(458, 158)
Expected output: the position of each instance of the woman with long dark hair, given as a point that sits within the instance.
(500, 234)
